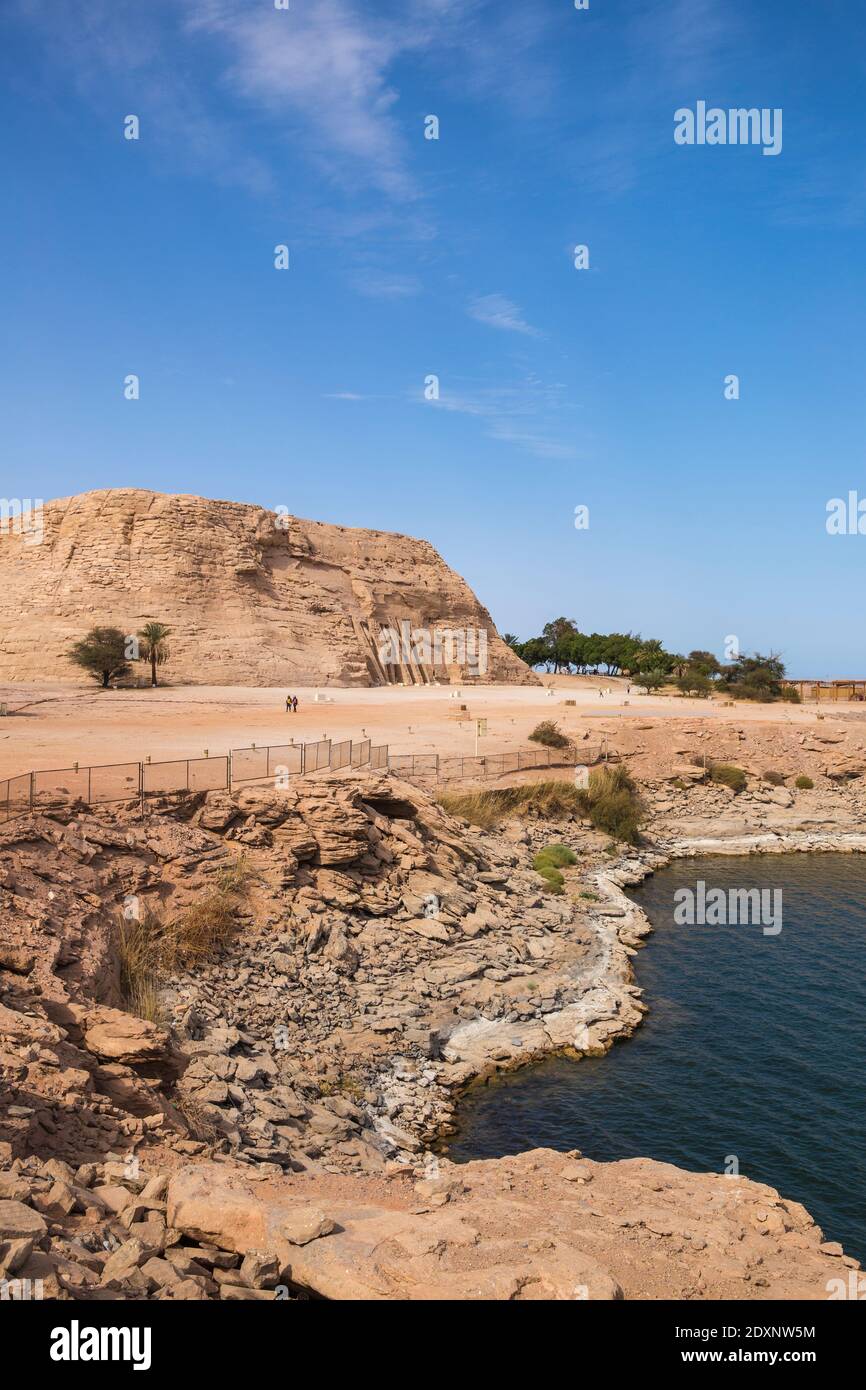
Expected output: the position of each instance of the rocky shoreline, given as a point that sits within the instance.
(387, 957)
(609, 1007)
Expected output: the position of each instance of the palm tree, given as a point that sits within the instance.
(153, 647)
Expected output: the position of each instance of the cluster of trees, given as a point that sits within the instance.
(106, 653)
(563, 647)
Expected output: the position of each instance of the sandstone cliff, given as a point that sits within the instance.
(252, 597)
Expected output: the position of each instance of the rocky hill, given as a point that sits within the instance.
(251, 596)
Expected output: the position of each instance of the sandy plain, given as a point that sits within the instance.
(54, 726)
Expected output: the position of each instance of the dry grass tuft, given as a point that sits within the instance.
(199, 1122)
(139, 967)
(201, 933)
(487, 809)
(611, 802)
(614, 805)
(149, 947)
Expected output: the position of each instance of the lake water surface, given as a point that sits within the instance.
(754, 1047)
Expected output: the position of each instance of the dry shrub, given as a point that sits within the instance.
(727, 775)
(138, 956)
(201, 933)
(148, 947)
(235, 877)
(613, 803)
(549, 734)
(553, 800)
(199, 1122)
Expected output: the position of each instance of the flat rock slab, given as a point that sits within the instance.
(370, 1252)
(20, 1222)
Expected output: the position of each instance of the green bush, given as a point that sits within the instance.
(553, 880)
(776, 779)
(613, 803)
(804, 783)
(728, 776)
(549, 861)
(549, 733)
(556, 855)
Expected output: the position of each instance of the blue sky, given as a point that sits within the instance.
(411, 257)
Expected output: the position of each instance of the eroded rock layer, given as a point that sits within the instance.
(251, 597)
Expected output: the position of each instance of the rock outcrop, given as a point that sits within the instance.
(270, 1136)
(251, 596)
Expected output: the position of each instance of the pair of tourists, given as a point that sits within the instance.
(291, 704)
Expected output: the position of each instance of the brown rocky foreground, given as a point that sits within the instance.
(269, 1135)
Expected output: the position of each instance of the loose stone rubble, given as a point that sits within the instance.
(386, 956)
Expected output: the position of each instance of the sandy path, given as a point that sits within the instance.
(55, 726)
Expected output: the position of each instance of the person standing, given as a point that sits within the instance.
(288, 703)
(294, 704)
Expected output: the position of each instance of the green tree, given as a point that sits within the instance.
(691, 682)
(651, 680)
(754, 677)
(557, 635)
(651, 656)
(535, 651)
(102, 654)
(153, 646)
(594, 650)
(705, 663)
(576, 650)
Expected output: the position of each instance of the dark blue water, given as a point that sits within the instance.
(754, 1046)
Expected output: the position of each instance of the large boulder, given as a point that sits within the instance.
(115, 1036)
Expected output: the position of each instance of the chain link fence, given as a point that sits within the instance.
(445, 768)
(111, 782)
(54, 788)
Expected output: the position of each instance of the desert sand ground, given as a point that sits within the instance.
(55, 726)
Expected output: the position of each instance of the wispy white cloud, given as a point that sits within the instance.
(526, 413)
(324, 73)
(498, 312)
(326, 64)
(686, 39)
(384, 285)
